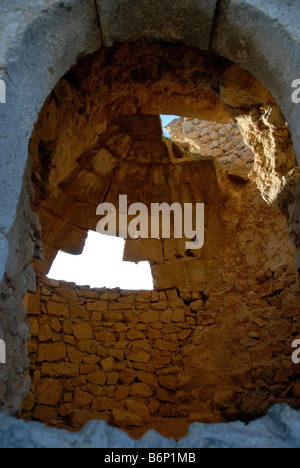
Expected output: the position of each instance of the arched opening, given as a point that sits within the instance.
(212, 343)
(32, 62)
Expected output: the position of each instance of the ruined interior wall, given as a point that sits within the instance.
(84, 116)
(161, 360)
(222, 141)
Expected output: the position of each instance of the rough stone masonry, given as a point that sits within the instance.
(32, 63)
(167, 358)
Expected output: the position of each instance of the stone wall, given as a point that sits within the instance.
(222, 141)
(106, 354)
(161, 360)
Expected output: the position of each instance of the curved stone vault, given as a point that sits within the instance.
(87, 106)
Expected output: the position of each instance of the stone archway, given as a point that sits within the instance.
(99, 136)
(21, 61)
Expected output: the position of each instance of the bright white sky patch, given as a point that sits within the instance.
(101, 265)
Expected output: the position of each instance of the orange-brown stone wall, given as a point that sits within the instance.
(161, 360)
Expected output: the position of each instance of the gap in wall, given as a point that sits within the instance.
(101, 265)
(166, 120)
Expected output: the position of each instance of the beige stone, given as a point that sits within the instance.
(121, 328)
(88, 368)
(108, 364)
(45, 333)
(77, 382)
(117, 354)
(98, 378)
(83, 331)
(87, 346)
(149, 317)
(94, 389)
(74, 356)
(68, 327)
(166, 316)
(149, 379)
(55, 325)
(82, 398)
(91, 360)
(238, 88)
(96, 317)
(197, 305)
(140, 356)
(60, 310)
(32, 346)
(224, 398)
(104, 404)
(127, 376)
(51, 352)
(162, 305)
(153, 406)
(79, 312)
(68, 294)
(29, 402)
(45, 414)
(154, 335)
(122, 392)
(113, 316)
(140, 390)
(165, 395)
(105, 336)
(178, 315)
(99, 306)
(49, 393)
(34, 326)
(134, 335)
(170, 382)
(112, 378)
(65, 410)
(133, 414)
(184, 335)
(60, 370)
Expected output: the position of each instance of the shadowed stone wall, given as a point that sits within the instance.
(160, 360)
(32, 63)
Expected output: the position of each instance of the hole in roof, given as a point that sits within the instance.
(101, 265)
(166, 120)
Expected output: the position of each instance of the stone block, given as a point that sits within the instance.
(127, 376)
(82, 398)
(51, 352)
(149, 379)
(149, 317)
(143, 250)
(140, 356)
(104, 404)
(99, 306)
(140, 390)
(59, 310)
(178, 316)
(60, 370)
(190, 23)
(170, 382)
(98, 378)
(83, 331)
(49, 392)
